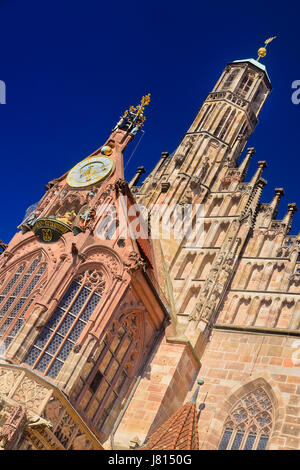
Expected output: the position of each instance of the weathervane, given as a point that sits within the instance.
(263, 51)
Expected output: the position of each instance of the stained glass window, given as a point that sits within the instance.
(16, 297)
(249, 423)
(107, 379)
(59, 336)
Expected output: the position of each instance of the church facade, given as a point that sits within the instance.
(116, 298)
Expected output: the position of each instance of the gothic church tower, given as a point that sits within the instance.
(105, 331)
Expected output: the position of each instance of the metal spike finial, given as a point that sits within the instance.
(262, 52)
(195, 394)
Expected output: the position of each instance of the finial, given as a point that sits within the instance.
(133, 118)
(262, 52)
(195, 395)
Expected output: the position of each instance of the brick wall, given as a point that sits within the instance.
(235, 363)
(161, 391)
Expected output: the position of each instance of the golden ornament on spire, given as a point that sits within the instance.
(133, 118)
(263, 51)
(145, 100)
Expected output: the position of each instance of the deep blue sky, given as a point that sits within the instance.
(72, 67)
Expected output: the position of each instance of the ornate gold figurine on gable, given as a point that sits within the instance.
(262, 52)
(133, 118)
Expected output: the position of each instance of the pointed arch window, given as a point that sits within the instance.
(16, 297)
(246, 85)
(59, 336)
(205, 116)
(222, 122)
(258, 98)
(114, 365)
(227, 125)
(230, 78)
(249, 424)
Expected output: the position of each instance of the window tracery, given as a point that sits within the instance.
(249, 424)
(59, 336)
(246, 85)
(222, 122)
(16, 297)
(114, 366)
(230, 78)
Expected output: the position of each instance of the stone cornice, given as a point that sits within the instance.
(256, 330)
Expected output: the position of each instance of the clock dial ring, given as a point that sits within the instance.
(90, 171)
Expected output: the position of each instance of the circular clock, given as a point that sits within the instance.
(90, 171)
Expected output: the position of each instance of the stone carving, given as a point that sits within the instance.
(154, 181)
(80, 442)
(6, 256)
(30, 394)
(13, 426)
(3, 246)
(121, 186)
(134, 262)
(179, 159)
(245, 188)
(65, 429)
(165, 186)
(224, 274)
(210, 306)
(92, 279)
(203, 168)
(8, 379)
(85, 215)
(186, 198)
(53, 411)
(195, 181)
(38, 422)
(246, 217)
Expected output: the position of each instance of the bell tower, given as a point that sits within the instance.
(205, 172)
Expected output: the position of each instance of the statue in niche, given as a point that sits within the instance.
(13, 422)
(198, 307)
(203, 168)
(225, 272)
(68, 217)
(85, 215)
(134, 262)
(187, 198)
(211, 305)
(30, 219)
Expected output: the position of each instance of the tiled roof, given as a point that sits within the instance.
(145, 248)
(179, 432)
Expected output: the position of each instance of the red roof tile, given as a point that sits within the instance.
(179, 432)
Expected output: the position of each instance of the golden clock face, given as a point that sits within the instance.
(90, 171)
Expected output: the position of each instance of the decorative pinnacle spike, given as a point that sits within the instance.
(262, 52)
(195, 395)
